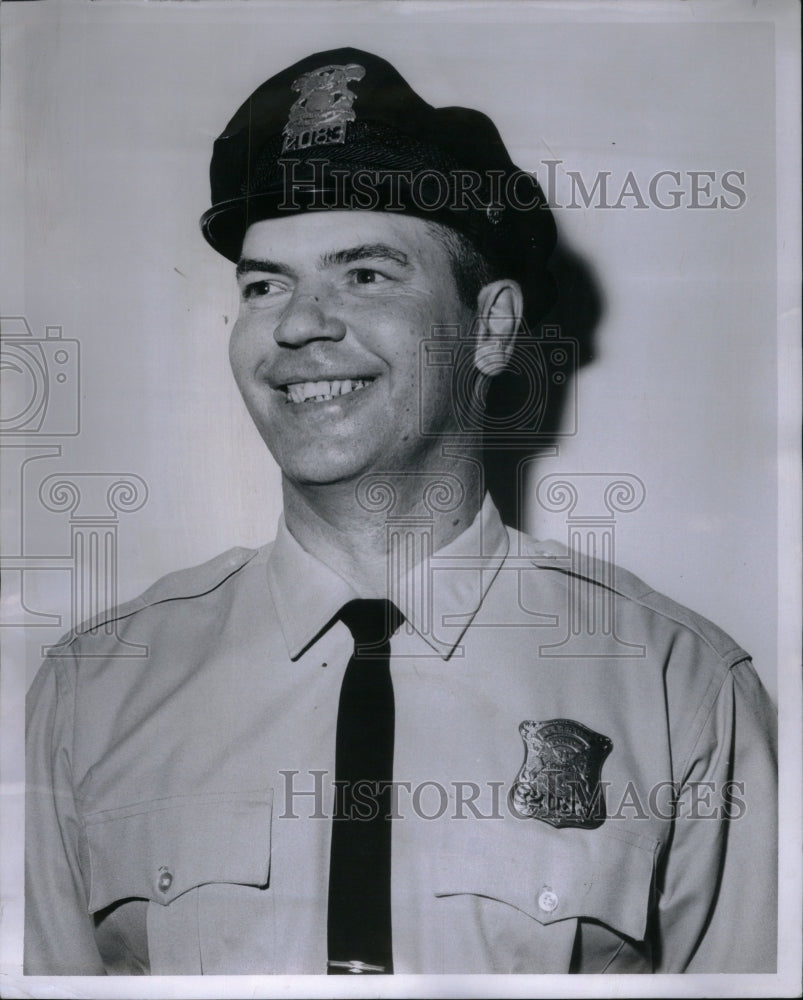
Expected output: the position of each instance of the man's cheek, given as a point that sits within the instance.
(235, 347)
(435, 408)
(244, 351)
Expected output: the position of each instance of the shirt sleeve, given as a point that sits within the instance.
(717, 906)
(59, 931)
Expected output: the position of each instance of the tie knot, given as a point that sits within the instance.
(371, 621)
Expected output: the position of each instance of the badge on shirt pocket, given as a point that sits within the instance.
(559, 781)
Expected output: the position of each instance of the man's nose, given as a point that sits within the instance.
(308, 317)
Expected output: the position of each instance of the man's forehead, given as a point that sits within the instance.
(324, 233)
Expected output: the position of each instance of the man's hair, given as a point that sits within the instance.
(471, 269)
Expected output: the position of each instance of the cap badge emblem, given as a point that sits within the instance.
(324, 108)
(559, 781)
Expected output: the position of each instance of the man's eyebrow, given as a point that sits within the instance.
(366, 251)
(245, 265)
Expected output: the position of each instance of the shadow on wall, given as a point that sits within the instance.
(532, 405)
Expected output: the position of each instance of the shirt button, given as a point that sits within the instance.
(548, 900)
(165, 880)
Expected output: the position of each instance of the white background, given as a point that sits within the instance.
(109, 113)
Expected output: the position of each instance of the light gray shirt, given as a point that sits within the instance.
(172, 751)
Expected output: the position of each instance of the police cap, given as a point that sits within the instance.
(343, 130)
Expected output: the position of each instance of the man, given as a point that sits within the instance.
(369, 747)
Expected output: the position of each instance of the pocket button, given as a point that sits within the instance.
(548, 900)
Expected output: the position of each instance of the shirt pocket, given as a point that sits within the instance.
(202, 863)
(525, 893)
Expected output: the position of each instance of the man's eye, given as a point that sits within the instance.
(367, 276)
(259, 289)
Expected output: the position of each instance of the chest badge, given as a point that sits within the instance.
(324, 107)
(559, 781)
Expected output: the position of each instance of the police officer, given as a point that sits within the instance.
(376, 745)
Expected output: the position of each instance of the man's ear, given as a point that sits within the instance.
(499, 310)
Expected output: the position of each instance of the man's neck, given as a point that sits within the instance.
(350, 528)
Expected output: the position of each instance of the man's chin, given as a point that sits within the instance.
(329, 470)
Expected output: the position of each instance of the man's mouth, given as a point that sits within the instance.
(318, 392)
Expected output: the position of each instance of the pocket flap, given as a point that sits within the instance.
(161, 848)
(564, 874)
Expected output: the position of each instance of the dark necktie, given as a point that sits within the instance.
(359, 927)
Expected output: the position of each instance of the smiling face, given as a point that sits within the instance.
(325, 350)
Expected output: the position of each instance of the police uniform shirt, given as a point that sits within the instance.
(171, 830)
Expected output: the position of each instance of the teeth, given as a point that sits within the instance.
(301, 392)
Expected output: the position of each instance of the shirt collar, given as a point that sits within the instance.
(306, 592)
(439, 596)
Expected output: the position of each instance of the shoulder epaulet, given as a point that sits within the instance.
(192, 581)
(554, 555)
